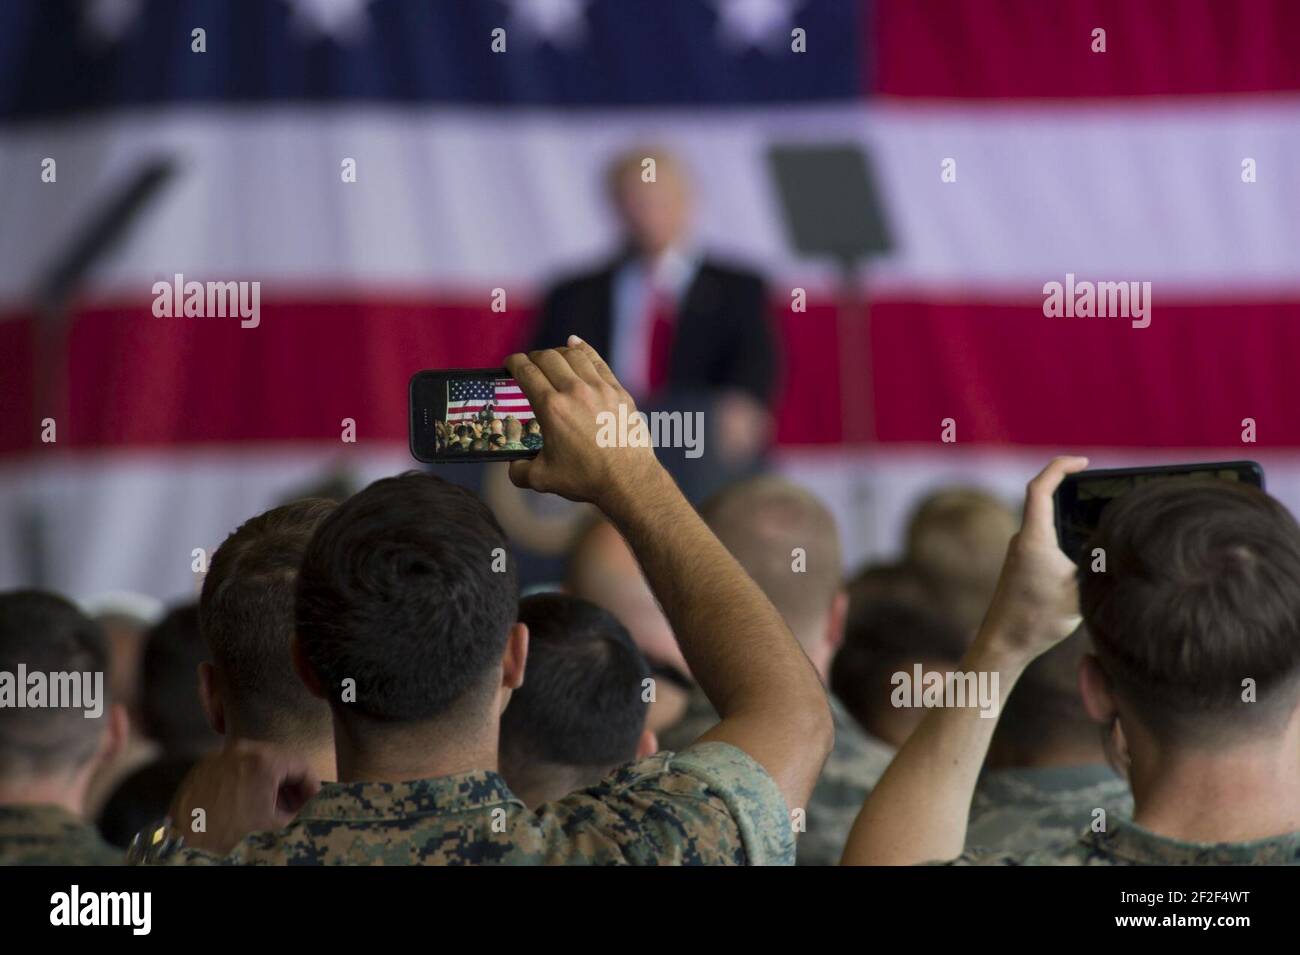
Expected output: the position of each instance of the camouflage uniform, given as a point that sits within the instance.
(1127, 843)
(855, 764)
(1020, 810)
(50, 835)
(709, 805)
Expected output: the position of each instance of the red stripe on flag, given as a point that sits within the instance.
(19, 419)
(1036, 49)
(1004, 372)
(1009, 375)
(137, 380)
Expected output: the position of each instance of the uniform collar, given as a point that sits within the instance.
(420, 797)
(1128, 842)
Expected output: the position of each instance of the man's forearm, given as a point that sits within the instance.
(919, 809)
(771, 702)
(738, 647)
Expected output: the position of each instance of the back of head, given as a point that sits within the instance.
(1200, 594)
(170, 706)
(884, 637)
(957, 539)
(407, 589)
(787, 541)
(48, 636)
(581, 709)
(246, 612)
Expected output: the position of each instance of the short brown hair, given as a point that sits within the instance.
(761, 521)
(246, 614)
(1200, 592)
(957, 540)
(48, 634)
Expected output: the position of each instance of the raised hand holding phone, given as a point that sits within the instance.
(574, 394)
(918, 810)
(770, 701)
(1036, 604)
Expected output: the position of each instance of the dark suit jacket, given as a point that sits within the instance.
(724, 336)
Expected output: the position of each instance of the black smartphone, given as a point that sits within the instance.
(471, 414)
(1082, 497)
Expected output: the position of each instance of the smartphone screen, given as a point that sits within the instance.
(1082, 497)
(471, 414)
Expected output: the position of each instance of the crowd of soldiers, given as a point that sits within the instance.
(706, 688)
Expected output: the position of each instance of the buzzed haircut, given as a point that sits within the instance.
(246, 613)
(170, 707)
(582, 702)
(957, 539)
(48, 634)
(884, 637)
(407, 589)
(785, 539)
(1200, 594)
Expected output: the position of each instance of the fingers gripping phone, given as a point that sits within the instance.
(471, 414)
(1082, 497)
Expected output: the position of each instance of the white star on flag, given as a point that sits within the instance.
(561, 23)
(343, 21)
(107, 21)
(756, 24)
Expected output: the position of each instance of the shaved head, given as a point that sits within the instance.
(786, 539)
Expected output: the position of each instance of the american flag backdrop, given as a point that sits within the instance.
(467, 397)
(479, 172)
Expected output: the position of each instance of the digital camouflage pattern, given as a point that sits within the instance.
(1020, 810)
(1127, 843)
(50, 835)
(854, 766)
(709, 805)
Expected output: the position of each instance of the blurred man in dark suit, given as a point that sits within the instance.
(682, 331)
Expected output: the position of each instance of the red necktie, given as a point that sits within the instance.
(662, 326)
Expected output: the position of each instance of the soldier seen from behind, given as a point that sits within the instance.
(581, 712)
(54, 658)
(408, 625)
(1195, 618)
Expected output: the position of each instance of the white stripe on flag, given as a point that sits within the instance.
(1100, 189)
